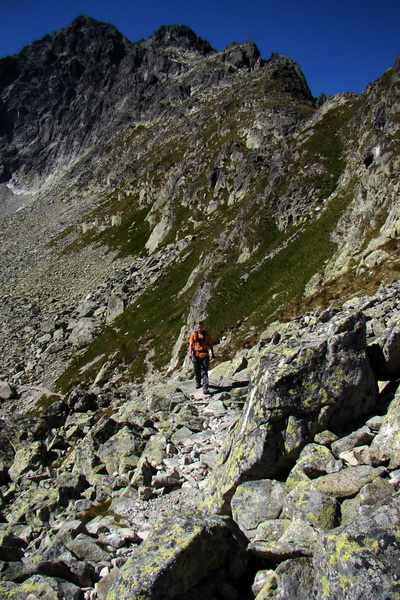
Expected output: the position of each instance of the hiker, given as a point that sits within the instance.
(200, 343)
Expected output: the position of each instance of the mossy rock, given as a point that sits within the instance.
(27, 459)
(361, 560)
(312, 506)
(120, 454)
(183, 551)
(299, 388)
(38, 586)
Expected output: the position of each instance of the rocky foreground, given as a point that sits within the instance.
(283, 483)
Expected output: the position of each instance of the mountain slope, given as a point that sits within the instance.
(183, 183)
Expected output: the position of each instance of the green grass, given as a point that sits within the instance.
(279, 282)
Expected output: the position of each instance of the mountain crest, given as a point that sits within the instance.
(179, 36)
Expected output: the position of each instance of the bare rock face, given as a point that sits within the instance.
(87, 80)
(68, 77)
(81, 80)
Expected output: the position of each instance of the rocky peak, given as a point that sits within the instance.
(178, 36)
(84, 38)
(283, 69)
(242, 55)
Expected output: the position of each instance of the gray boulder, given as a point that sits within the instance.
(83, 333)
(6, 391)
(115, 307)
(323, 381)
(87, 550)
(361, 560)
(255, 502)
(179, 555)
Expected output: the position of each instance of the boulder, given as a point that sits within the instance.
(292, 579)
(66, 567)
(316, 460)
(346, 483)
(368, 495)
(360, 560)
(271, 530)
(6, 391)
(179, 555)
(120, 454)
(152, 456)
(312, 506)
(80, 400)
(38, 586)
(27, 459)
(322, 381)
(257, 501)
(115, 307)
(387, 440)
(83, 333)
(86, 549)
(325, 438)
(33, 506)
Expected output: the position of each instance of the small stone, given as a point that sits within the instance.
(144, 493)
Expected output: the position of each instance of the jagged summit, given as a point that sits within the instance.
(179, 36)
(78, 37)
(87, 79)
(246, 54)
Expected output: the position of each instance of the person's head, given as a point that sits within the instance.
(200, 326)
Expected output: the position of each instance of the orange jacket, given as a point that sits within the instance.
(201, 341)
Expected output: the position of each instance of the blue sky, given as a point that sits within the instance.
(340, 45)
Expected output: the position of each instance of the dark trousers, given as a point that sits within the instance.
(200, 364)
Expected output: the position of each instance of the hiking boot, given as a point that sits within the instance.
(206, 391)
(198, 386)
